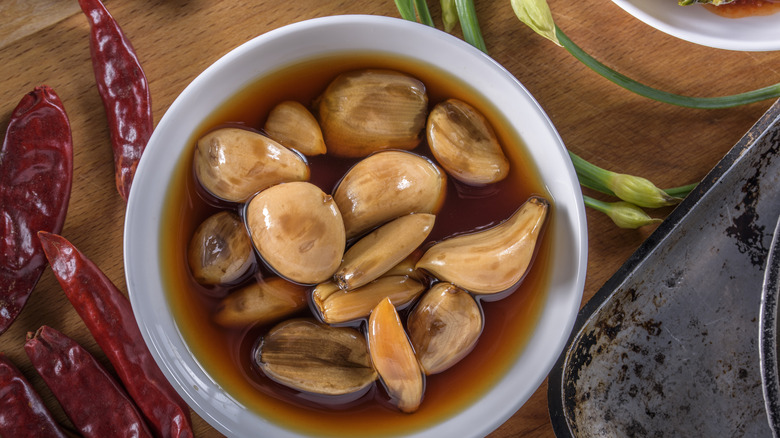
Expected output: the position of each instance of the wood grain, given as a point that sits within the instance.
(46, 41)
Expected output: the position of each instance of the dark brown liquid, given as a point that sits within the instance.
(227, 354)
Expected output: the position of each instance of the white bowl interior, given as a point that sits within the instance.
(697, 25)
(300, 41)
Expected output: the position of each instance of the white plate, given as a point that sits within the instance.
(168, 147)
(697, 25)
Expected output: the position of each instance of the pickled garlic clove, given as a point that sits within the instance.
(444, 326)
(464, 143)
(262, 302)
(220, 251)
(336, 306)
(491, 260)
(322, 291)
(310, 356)
(233, 163)
(364, 111)
(382, 249)
(407, 267)
(393, 357)
(292, 125)
(298, 231)
(387, 185)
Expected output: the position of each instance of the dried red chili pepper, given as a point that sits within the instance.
(107, 314)
(36, 174)
(93, 400)
(124, 89)
(22, 412)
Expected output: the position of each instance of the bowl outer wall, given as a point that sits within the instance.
(697, 25)
(300, 41)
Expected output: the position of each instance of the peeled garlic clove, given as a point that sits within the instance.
(387, 185)
(444, 327)
(292, 125)
(322, 291)
(336, 306)
(298, 231)
(262, 302)
(220, 251)
(393, 357)
(406, 267)
(491, 260)
(369, 110)
(465, 144)
(310, 356)
(383, 248)
(233, 163)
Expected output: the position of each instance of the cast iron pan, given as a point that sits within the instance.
(669, 346)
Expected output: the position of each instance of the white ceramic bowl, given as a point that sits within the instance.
(287, 45)
(697, 25)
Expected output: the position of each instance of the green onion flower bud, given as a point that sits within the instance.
(639, 191)
(536, 15)
(627, 215)
(623, 214)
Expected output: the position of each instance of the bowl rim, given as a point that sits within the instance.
(697, 25)
(146, 202)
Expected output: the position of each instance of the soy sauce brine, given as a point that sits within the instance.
(227, 354)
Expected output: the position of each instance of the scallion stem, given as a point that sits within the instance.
(590, 175)
(758, 95)
(406, 9)
(682, 191)
(585, 181)
(469, 24)
(595, 204)
(422, 11)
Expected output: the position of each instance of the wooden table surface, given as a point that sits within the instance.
(46, 42)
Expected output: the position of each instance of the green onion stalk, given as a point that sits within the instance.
(467, 15)
(768, 92)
